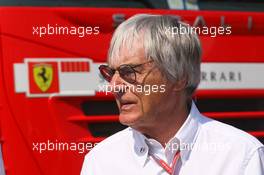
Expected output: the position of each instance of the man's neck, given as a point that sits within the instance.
(168, 126)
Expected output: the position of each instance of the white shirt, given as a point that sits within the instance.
(207, 147)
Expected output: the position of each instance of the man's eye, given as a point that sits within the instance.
(139, 70)
(127, 71)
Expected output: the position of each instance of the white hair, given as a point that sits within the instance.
(178, 55)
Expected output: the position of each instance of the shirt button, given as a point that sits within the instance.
(142, 150)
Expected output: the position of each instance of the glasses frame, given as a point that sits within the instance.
(104, 69)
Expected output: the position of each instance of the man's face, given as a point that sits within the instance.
(141, 109)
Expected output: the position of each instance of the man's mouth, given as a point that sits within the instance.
(126, 105)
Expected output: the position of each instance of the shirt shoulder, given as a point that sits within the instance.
(111, 143)
(220, 132)
(112, 147)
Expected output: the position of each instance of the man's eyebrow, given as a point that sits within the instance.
(133, 64)
(130, 64)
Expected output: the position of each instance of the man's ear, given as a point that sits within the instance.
(180, 85)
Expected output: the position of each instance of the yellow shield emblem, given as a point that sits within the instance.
(43, 76)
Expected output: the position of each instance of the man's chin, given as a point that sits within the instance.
(128, 119)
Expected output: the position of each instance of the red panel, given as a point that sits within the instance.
(94, 119)
(257, 133)
(250, 93)
(28, 120)
(86, 66)
(236, 115)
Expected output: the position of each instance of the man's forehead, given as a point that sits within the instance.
(133, 55)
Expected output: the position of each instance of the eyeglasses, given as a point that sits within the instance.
(126, 72)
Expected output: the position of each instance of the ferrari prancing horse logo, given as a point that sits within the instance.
(43, 76)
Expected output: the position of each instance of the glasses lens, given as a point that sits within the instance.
(106, 72)
(127, 73)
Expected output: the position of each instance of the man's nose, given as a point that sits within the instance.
(116, 79)
(117, 84)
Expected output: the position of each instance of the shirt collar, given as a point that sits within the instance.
(186, 136)
(188, 132)
(140, 148)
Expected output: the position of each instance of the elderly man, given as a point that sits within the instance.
(166, 133)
